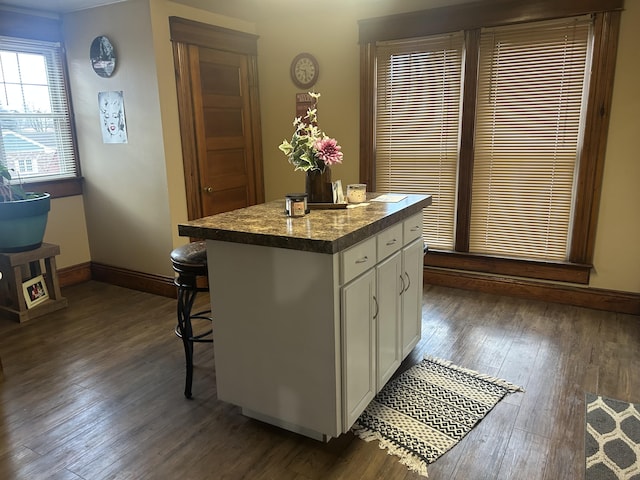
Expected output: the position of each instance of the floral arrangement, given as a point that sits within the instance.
(310, 148)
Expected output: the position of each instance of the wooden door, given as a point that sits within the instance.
(219, 118)
(224, 146)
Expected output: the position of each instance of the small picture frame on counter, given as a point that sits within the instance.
(338, 192)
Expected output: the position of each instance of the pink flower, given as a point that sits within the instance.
(328, 150)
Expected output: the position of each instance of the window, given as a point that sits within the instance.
(421, 79)
(527, 136)
(502, 125)
(35, 121)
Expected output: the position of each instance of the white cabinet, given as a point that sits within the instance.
(411, 296)
(358, 314)
(381, 303)
(305, 337)
(388, 324)
(412, 266)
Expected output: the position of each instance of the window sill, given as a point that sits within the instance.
(65, 187)
(555, 271)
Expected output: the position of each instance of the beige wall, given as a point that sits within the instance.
(332, 37)
(134, 192)
(337, 52)
(161, 10)
(126, 201)
(147, 172)
(617, 252)
(66, 227)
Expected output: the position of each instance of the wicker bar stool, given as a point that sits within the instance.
(190, 263)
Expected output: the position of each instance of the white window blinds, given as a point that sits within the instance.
(417, 125)
(36, 140)
(527, 137)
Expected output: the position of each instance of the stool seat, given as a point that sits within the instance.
(190, 263)
(190, 259)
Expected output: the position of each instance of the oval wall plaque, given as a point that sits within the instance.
(103, 56)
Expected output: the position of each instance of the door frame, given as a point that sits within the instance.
(186, 33)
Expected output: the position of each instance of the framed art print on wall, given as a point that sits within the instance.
(112, 118)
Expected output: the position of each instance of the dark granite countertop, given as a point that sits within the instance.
(322, 231)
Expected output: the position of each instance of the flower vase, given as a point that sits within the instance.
(318, 186)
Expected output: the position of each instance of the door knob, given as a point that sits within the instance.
(208, 189)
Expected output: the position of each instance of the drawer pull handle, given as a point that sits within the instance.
(391, 242)
(401, 285)
(364, 259)
(415, 228)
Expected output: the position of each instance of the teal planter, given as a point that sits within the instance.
(22, 223)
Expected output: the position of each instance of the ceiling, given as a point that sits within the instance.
(224, 7)
(66, 6)
(57, 6)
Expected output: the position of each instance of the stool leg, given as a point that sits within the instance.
(186, 298)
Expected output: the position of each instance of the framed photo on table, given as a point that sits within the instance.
(35, 291)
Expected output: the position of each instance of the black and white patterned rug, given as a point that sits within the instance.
(426, 410)
(612, 439)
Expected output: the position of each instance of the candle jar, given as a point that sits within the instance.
(296, 205)
(357, 192)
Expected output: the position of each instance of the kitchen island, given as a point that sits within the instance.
(312, 315)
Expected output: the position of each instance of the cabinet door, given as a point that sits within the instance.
(358, 346)
(389, 288)
(412, 260)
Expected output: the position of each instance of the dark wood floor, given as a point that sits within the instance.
(95, 392)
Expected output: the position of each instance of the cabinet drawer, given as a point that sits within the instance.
(389, 241)
(358, 259)
(412, 228)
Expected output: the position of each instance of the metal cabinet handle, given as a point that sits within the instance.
(363, 259)
(391, 242)
(402, 285)
(408, 281)
(207, 189)
(375, 315)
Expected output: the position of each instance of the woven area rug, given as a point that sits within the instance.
(612, 439)
(426, 410)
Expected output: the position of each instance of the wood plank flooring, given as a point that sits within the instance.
(95, 392)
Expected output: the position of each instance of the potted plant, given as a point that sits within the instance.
(23, 215)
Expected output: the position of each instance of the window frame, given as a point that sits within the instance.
(46, 28)
(471, 18)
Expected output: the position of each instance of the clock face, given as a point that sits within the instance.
(304, 70)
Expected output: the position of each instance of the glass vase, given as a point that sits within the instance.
(318, 186)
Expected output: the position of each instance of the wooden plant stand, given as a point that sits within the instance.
(19, 267)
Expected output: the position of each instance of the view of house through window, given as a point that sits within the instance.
(36, 141)
(529, 99)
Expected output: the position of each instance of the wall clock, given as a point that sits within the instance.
(103, 56)
(304, 70)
